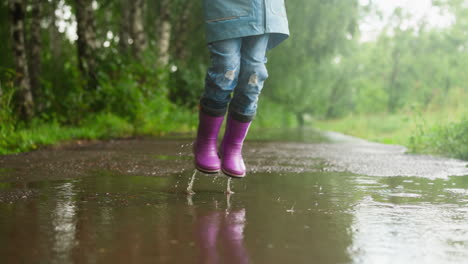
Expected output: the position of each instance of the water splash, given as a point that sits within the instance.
(190, 185)
(189, 200)
(228, 189)
(228, 203)
(291, 210)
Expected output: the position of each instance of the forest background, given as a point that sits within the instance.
(84, 69)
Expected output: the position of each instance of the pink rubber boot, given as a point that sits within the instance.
(232, 163)
(205, 146)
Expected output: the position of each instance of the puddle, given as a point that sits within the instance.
(169, 157)
(108, 217)
(306, 199)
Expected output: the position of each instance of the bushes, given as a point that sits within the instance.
(7, 116)
(442, 131)
(131, 99)
(449, 140)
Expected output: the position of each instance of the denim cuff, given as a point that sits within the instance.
(213, 112)
(240, 117)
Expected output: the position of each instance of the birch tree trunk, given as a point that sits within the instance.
(35, 49)
(25, 101)
(55, 48)
(164, 34)
(138, 33)
(86, 42)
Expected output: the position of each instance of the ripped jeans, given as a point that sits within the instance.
(235, 77)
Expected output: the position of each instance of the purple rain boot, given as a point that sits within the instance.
(232, 163)
(205, 146)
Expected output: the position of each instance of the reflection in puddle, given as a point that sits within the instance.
(422, 224)
(396, 234)
(272, 218)
(63, 220)
(219, 231)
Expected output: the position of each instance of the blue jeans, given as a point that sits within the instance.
(235, 77)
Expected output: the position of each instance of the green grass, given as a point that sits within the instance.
(153, 118)
(100, 126)
(384, 128)
(449, 139)
(441, 132)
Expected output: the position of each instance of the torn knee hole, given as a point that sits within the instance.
(230, 75)
(253, 80)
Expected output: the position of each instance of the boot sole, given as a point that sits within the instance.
(234, 176)
(231, 175)
(206, 171)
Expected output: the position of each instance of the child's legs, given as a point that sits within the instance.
(221, 78)
(252, 75)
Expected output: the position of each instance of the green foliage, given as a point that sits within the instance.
(448, 139)
(100, 126)
(7, 90)
(132, 99)
(107, 125)
(383, 128)
(187, 84)
(273, 115)
(38, 133)
(304, 75)
(436, 131)
(62, 96)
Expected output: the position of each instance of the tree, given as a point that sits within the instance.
(137, 27)
(25, 102)
(86, 42)
(34, 47)
(164, 33)
(301, 71)
(125, 26)
(180, 50)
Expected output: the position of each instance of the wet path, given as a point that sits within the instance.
(347, 201)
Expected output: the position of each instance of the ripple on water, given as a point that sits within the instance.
(432, 228)
(405, 195)
(457, 191)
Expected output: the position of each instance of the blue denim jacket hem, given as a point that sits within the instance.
(228, 19)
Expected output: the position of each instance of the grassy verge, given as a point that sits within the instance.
(100, 126)
(441, 132)
(151, 119)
